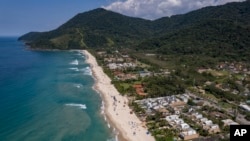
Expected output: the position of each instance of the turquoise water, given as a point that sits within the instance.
(47, 96)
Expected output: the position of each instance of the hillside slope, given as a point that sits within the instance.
(95, 28)
(209, 31)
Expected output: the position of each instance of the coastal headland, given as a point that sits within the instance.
(129, 127)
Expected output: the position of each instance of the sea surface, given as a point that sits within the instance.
(48, 96)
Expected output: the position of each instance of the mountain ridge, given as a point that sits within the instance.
(103, 28)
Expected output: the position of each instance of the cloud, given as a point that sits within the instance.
(153, 9)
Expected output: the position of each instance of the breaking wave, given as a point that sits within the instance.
(75, 69)
(87, 71)
(75, 62)
(115, 138)
(78, 85)
(81, 106)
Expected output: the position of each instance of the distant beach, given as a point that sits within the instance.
(116, 108)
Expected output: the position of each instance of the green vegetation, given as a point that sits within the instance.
(203, 36)
(160, 128)
(205, 52)
(93, 29)
(222, 94)
(159, 86)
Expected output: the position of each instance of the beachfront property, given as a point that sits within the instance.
(119, 75)
(186, 132)
(156, 104)
(123, 69)
(120, 66)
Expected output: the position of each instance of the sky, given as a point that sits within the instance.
(18, 17)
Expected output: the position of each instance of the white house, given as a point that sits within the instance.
(208, 122)
(198, 116)
(172, 117)
(184, 126)
(112, 66)
(203, 119)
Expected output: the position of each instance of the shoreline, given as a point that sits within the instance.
(116, 108)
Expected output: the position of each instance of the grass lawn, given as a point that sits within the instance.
(151, 59)
(125, 85)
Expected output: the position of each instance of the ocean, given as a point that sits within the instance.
(48, 96)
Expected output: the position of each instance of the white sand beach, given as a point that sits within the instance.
(116, 106)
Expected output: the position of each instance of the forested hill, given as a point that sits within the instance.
(95, 28)
(207, 30)
(221, 32)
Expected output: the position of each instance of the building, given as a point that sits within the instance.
(140, 91)
(144, 73)
(172, 118)
(112, 66)
(214, 128)
(197, 116)
(228, 122)
(189, 134)
(203, 119)
(245, 107)
(184, 126)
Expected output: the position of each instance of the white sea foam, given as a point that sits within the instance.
(116, 137)
(108, 125)
(87, 71)
(103, 105)
(75, 69)
(102, 112)
(75, 62)
(81, 106)
(79, 53)
(78, 85)
(102, 108)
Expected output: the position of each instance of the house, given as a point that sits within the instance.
(119, 75)
(245, 107)
(164, 111)
(203, 119)
(189, 134)
(112, 66)
(125, 56)
(207, 122)
(177, 103)
(109, 60)
(140, 91)
(184, 126)
(179, 121)
(101, 53)
(172, 117)
(228, 122)
(184, 98)
(144, 73)
(198, 116)
(214, 128)
(119, 59)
